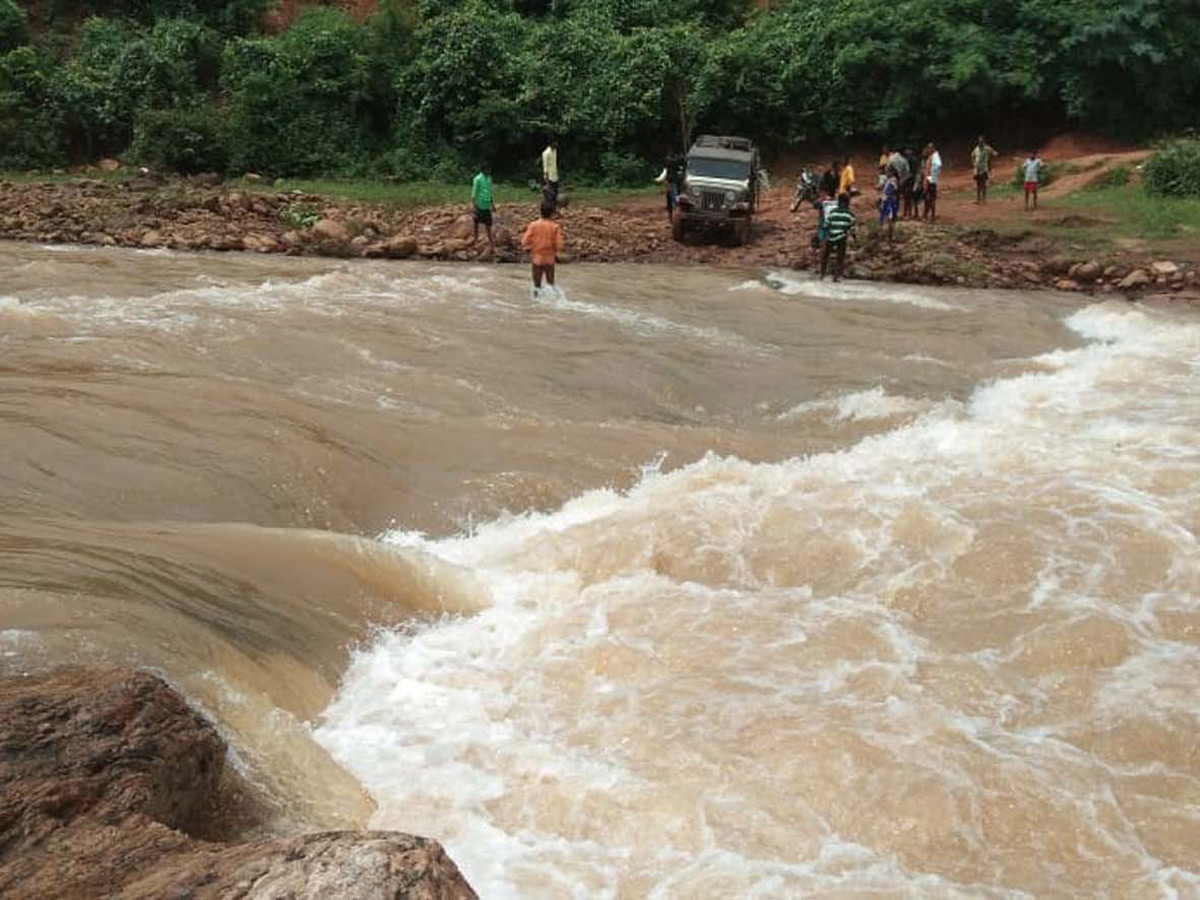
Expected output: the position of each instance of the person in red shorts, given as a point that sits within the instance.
(544, 241)
(1033, 176)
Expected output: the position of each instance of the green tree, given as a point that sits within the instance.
(303, 103)
(31, 128)
(14, 27)
(97, 109)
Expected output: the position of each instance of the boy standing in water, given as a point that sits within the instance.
(1033, 176)
(481, 200)
(839, 225)
(544, 240)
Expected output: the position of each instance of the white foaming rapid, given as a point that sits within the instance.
(960, 659)
(860, 406)
(795, 284)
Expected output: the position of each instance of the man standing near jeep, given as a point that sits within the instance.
(672, 176)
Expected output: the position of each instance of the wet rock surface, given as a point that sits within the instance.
(111, 786)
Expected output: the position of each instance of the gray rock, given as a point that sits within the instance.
(1135, 280)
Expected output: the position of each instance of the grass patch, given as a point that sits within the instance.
(64, 177)
(1137, 214)
(436, 193)
(366, 191)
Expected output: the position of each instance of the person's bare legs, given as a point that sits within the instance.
(839, 261)
(537, 277)
(491, 241)
(825, 248)
(1035, 199)
(549, 270)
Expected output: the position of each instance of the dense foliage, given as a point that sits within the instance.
(431, 87)
(1175, 170)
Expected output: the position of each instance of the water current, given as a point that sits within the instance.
(680, 583)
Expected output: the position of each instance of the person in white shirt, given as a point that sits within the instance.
(933, 175)
(550, 173)
(672, 177)
(1033, 177)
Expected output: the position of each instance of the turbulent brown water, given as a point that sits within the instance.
(682, 583)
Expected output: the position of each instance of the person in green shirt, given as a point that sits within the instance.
(481, 199)
(839, 226)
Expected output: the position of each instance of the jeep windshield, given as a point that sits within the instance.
(710, 167)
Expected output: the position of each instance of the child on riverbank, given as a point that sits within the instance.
(889, 202)
(543, 238)
(1033, 176)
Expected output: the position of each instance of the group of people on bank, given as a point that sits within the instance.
(907, 187)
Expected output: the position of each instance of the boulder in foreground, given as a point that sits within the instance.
(111, 786)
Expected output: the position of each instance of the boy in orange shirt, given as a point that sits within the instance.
(543, 239)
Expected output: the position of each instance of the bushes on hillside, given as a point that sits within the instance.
(30, 126)
(14, 29)
(187, 140)
(1175, 170)
(432, 87)
(307, 102)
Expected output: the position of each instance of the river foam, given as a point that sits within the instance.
(959, 659)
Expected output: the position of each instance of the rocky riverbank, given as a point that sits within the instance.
(111, 786)
(204, 215)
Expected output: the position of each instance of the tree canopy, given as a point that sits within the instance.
(433, 87)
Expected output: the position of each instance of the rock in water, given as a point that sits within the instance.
(108, 781)
(1135, 280)
(329, 230)
(1088, 272)
(342, 865)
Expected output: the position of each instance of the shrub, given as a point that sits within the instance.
(1117, 176)
(304, 103)
(300, 216)
(624, 169)
(176, 63)
(97, 108)
(186, 140)
(1175, 170)
(30, 123)
(14, 29)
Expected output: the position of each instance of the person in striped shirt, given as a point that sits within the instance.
(839, 226)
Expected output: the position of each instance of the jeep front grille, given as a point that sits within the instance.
(714, 200)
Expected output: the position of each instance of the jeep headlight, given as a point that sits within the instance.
(730, 197)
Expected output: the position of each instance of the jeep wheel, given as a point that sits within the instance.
(741, 232)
